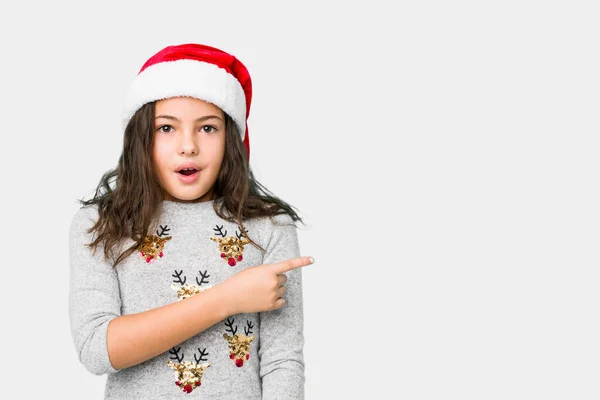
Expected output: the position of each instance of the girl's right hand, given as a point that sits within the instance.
(260, 288)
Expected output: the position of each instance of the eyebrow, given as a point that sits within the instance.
(197, 119)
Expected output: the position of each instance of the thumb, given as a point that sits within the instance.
(292, 263)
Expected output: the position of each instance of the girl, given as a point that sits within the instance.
(184, 272)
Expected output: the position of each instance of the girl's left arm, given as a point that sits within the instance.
(281, 339)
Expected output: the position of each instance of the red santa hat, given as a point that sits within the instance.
(198, 71)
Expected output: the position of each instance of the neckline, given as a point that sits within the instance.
(176, 205)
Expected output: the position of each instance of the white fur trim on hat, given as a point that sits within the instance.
(191, 78)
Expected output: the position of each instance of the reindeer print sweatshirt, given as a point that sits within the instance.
(190, 249)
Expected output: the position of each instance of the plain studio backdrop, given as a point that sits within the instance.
(443, 154)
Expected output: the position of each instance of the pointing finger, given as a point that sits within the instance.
(292, 263)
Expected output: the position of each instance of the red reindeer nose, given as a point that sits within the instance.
(188, 388)
(231, 261)
(239, 362)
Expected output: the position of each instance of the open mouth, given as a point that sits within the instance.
(187, 171)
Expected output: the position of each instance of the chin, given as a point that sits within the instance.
(190, 197)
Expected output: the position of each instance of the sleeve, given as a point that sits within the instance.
(94, 296)
(281, 339)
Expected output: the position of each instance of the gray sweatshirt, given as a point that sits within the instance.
(188, 250)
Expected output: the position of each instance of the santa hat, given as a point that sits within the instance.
(198, 71)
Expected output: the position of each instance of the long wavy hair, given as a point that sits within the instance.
(130, 196)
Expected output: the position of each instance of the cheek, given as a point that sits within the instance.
(211, 153)
(160, 155)
(161, 168)
(217, 157)
(218, 152)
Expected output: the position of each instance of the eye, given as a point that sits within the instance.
(161, 128)
(210, 127)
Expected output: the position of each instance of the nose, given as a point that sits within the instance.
(188, 145)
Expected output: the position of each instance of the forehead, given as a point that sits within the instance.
(183, 106)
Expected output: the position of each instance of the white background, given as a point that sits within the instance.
(443, 154)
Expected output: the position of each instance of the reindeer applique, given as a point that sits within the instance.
(153, 246)
(231, 248)
(239, 345)
(185, 290)
(188, 374)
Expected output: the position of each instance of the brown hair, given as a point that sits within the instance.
(127, 209)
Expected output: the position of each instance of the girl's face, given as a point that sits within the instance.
(190, 133)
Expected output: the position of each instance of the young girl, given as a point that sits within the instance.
(184, 272)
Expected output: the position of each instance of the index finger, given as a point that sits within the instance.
(292, 263)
